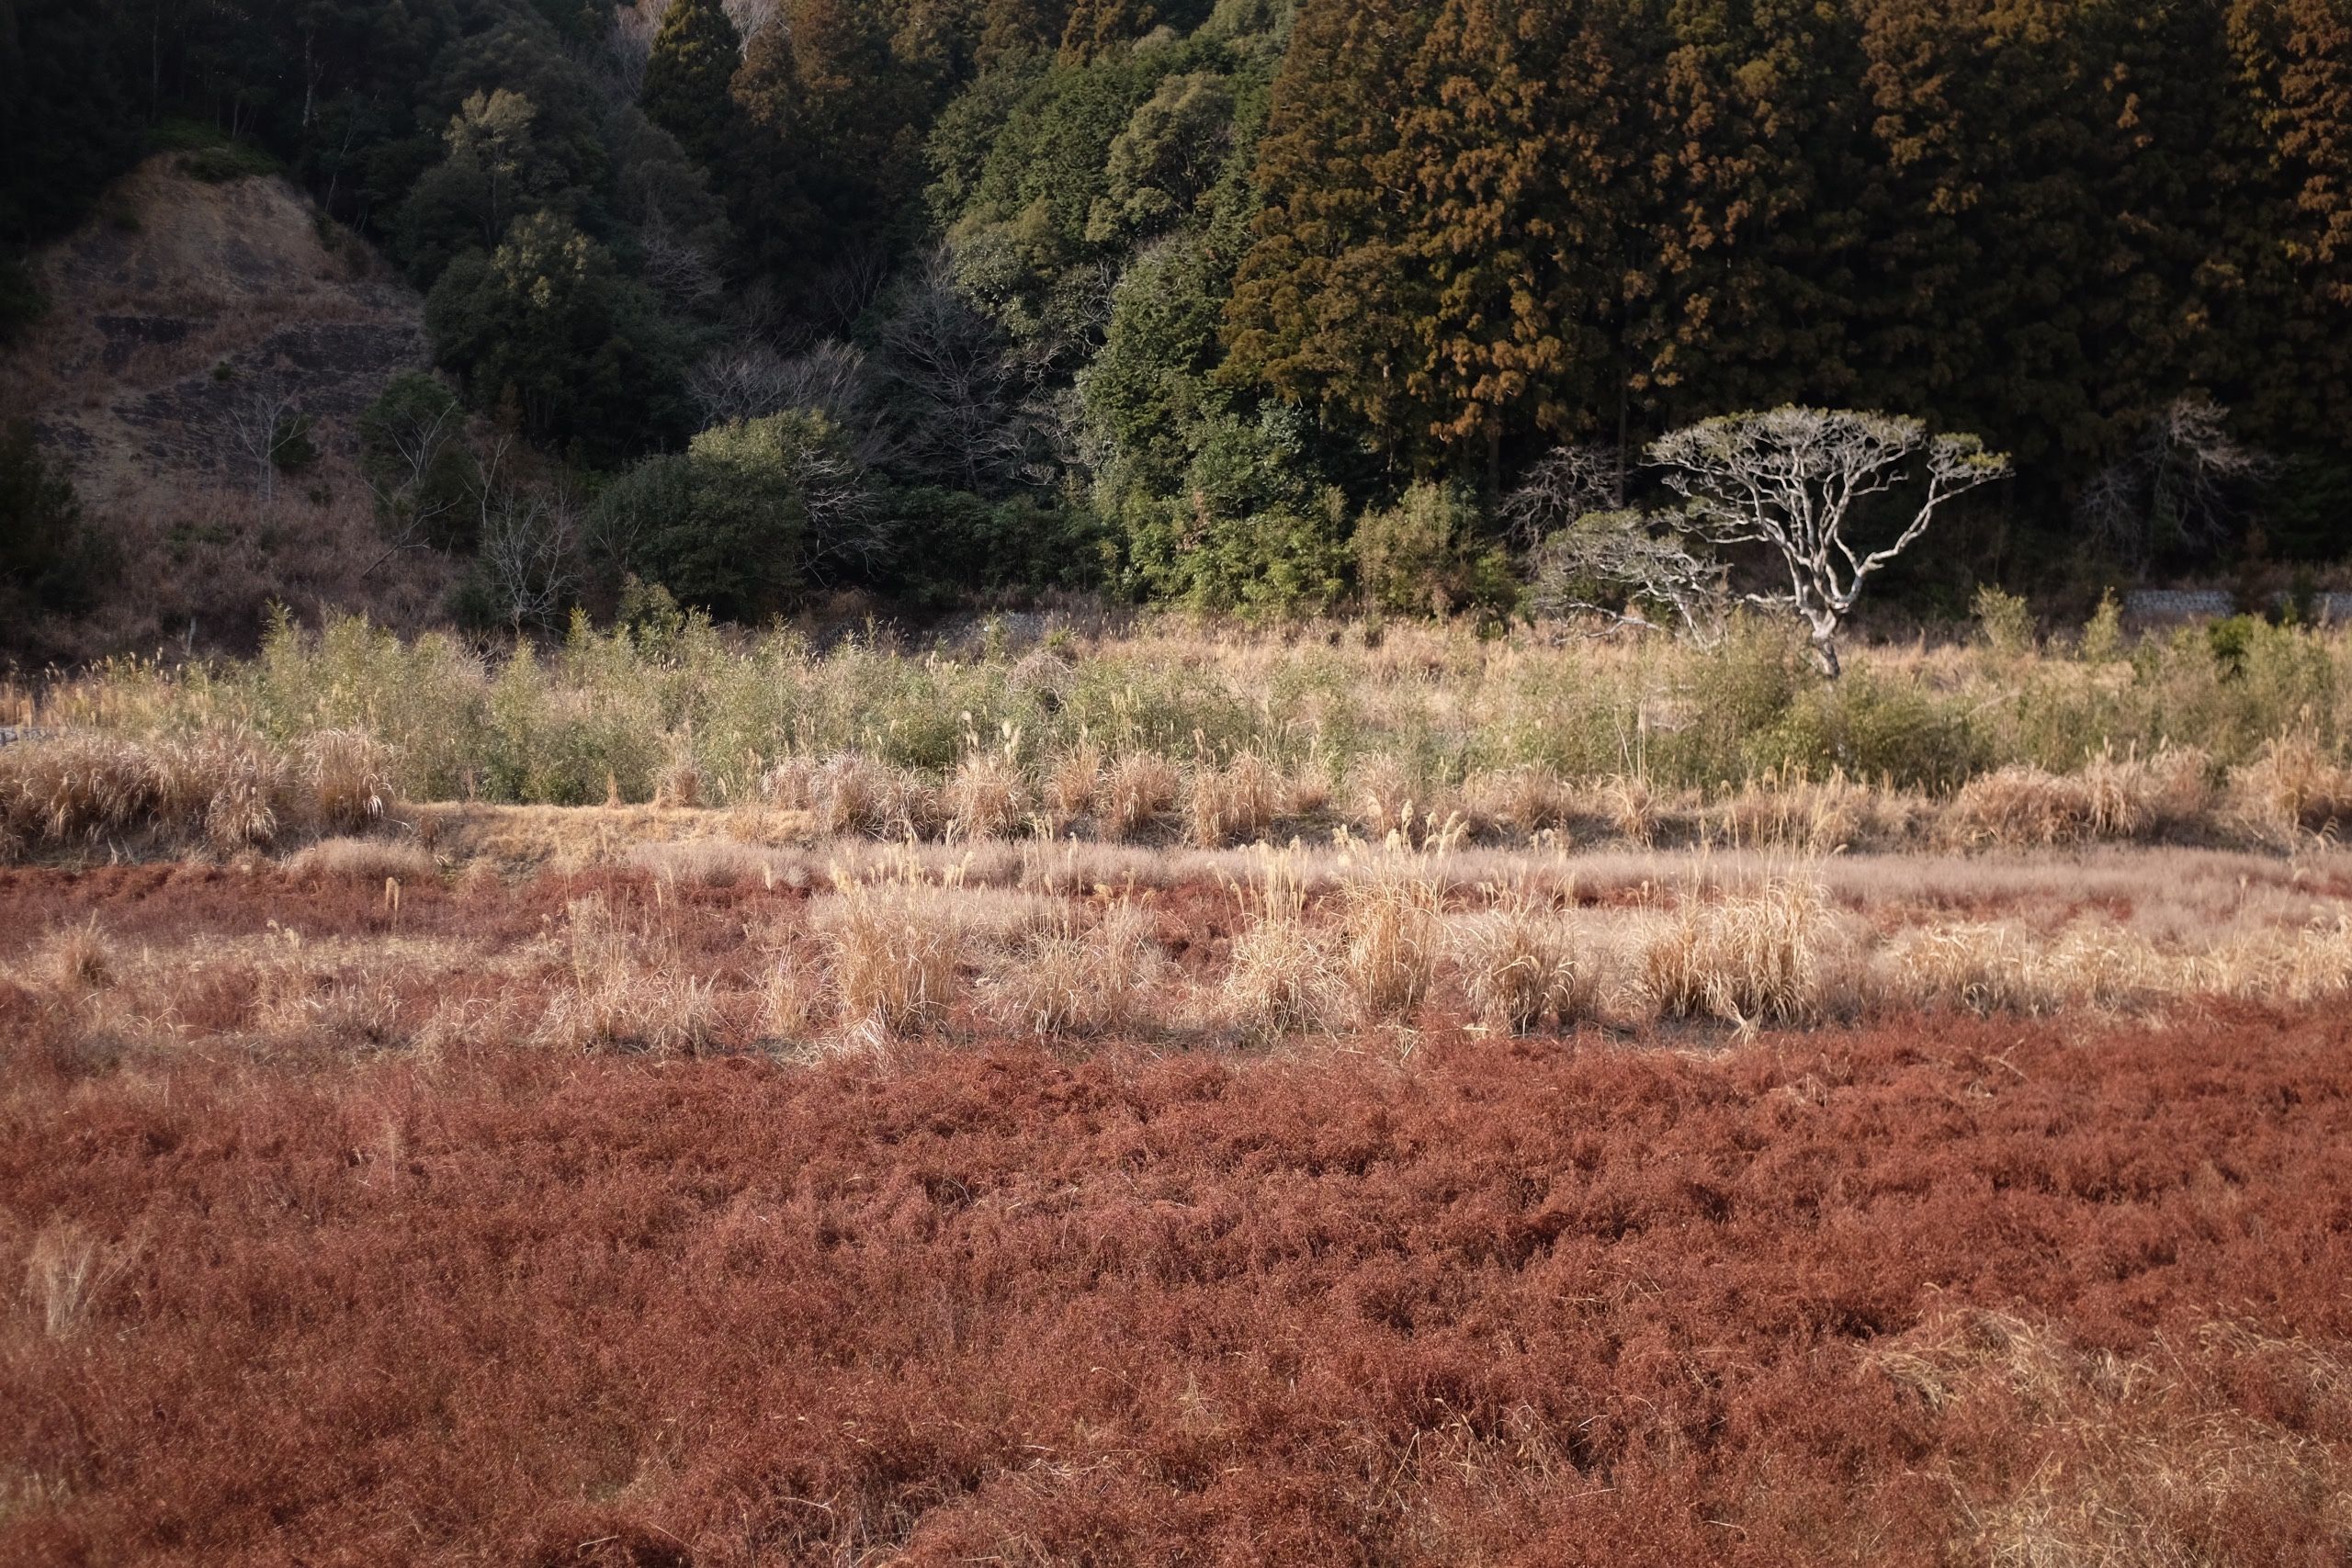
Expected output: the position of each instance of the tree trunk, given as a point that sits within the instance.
(1494, 434)
(1825, 655)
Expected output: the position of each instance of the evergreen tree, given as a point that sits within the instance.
(549, 326)
(687, 77)
(1318, 314)
(1097, 26)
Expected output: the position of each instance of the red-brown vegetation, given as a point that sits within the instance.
(1821, 1297)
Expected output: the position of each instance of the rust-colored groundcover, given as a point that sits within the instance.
(1935, 1292)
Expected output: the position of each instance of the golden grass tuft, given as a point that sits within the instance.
(1383, 796)
(2145, 1461)
(247, 785)
(2314, 965)
(2110, 799)
(1067, 979)
(1800, 814)
(1976, 966)
(1389, 909)
(1632, 807)
(1527, 800)
(1746, 959)
(619, 1002)
(2295, 786)
(1234, 803)
(370, 861)
(1519, 962)
(67, 1271)
(896, 948)
(1071, 785)
(680, 785)
(71, 964)
(350, 777)
(985, 797)
(1138, 790)
(854, 796)
(1277, 982)
(792, 996)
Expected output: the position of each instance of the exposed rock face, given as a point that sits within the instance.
(175, 313)
(182, 298)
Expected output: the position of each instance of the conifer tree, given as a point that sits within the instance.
(1318, 314)
(687, 77)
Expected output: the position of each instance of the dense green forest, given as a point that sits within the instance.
(1269, 304)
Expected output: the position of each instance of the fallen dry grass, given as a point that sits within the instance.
(1935, 1292)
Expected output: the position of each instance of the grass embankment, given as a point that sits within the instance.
(2238, 735)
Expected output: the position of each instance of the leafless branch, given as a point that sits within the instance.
(530, 545)
(1566, 483)
(1633, 571)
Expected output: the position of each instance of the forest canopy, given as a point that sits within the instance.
(1279, 304)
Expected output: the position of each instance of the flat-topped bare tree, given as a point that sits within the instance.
(1793, 482)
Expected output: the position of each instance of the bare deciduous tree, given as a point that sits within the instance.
(1566, 484)
(846, 525)
(1792, 481)
(261, 424)
(847, 289)
(963, 422)
(835, 378)
(679, 269)
(1634, 571)
(416, 444)
(530, 545)
(752, 18)
(634, 28)
(2186, 481)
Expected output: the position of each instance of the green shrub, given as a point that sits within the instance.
(1280, 562)
(2005, 621)
(1876, 729)
(730, 524)
(50, 558)
(1431, 554)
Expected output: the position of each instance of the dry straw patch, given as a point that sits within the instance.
(1138, 790)
(2110, 799)
(985, 798)
(68, 1270)
(1978, 966)
(1068, 978)
(854, 796)
(618, 999)
(1279, 981)
(2141, 1461)
(1800, 814)
(899, 940)
(1527, 800)
(1383, 796)
(1632, 807)
(350, 775)
(1389, 909)
(1520, 961)
(368, 860)
(2295, 787)
(1234, 803)
(1071, 785)
(1747, 959)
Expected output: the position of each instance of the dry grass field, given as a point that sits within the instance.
(1092, 1150)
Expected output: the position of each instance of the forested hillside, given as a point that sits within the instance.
(1262, 304)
